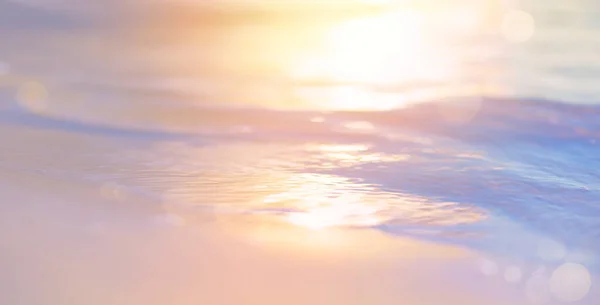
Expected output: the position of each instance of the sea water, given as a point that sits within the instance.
(482, 134)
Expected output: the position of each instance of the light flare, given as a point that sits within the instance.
(342, 211)
(361, 50)
(570, 282)
(382, 50)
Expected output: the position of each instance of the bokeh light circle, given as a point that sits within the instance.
(33, 96)
(518, 26)
(570, 282)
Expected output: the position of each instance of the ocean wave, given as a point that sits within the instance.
(467, 118)
(503, 168)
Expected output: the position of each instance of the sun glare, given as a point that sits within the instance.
(362, 50)
(356, 55)
(345, 210)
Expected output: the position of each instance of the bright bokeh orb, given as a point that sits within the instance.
(570, 282)
(32, 96)
(518, 26)
(551, 251)
(488, 267)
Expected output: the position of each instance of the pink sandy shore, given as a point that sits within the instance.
(64, 243)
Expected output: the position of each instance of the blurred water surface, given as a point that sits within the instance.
(470, 122)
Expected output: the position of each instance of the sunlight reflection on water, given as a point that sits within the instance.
(303, 193)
